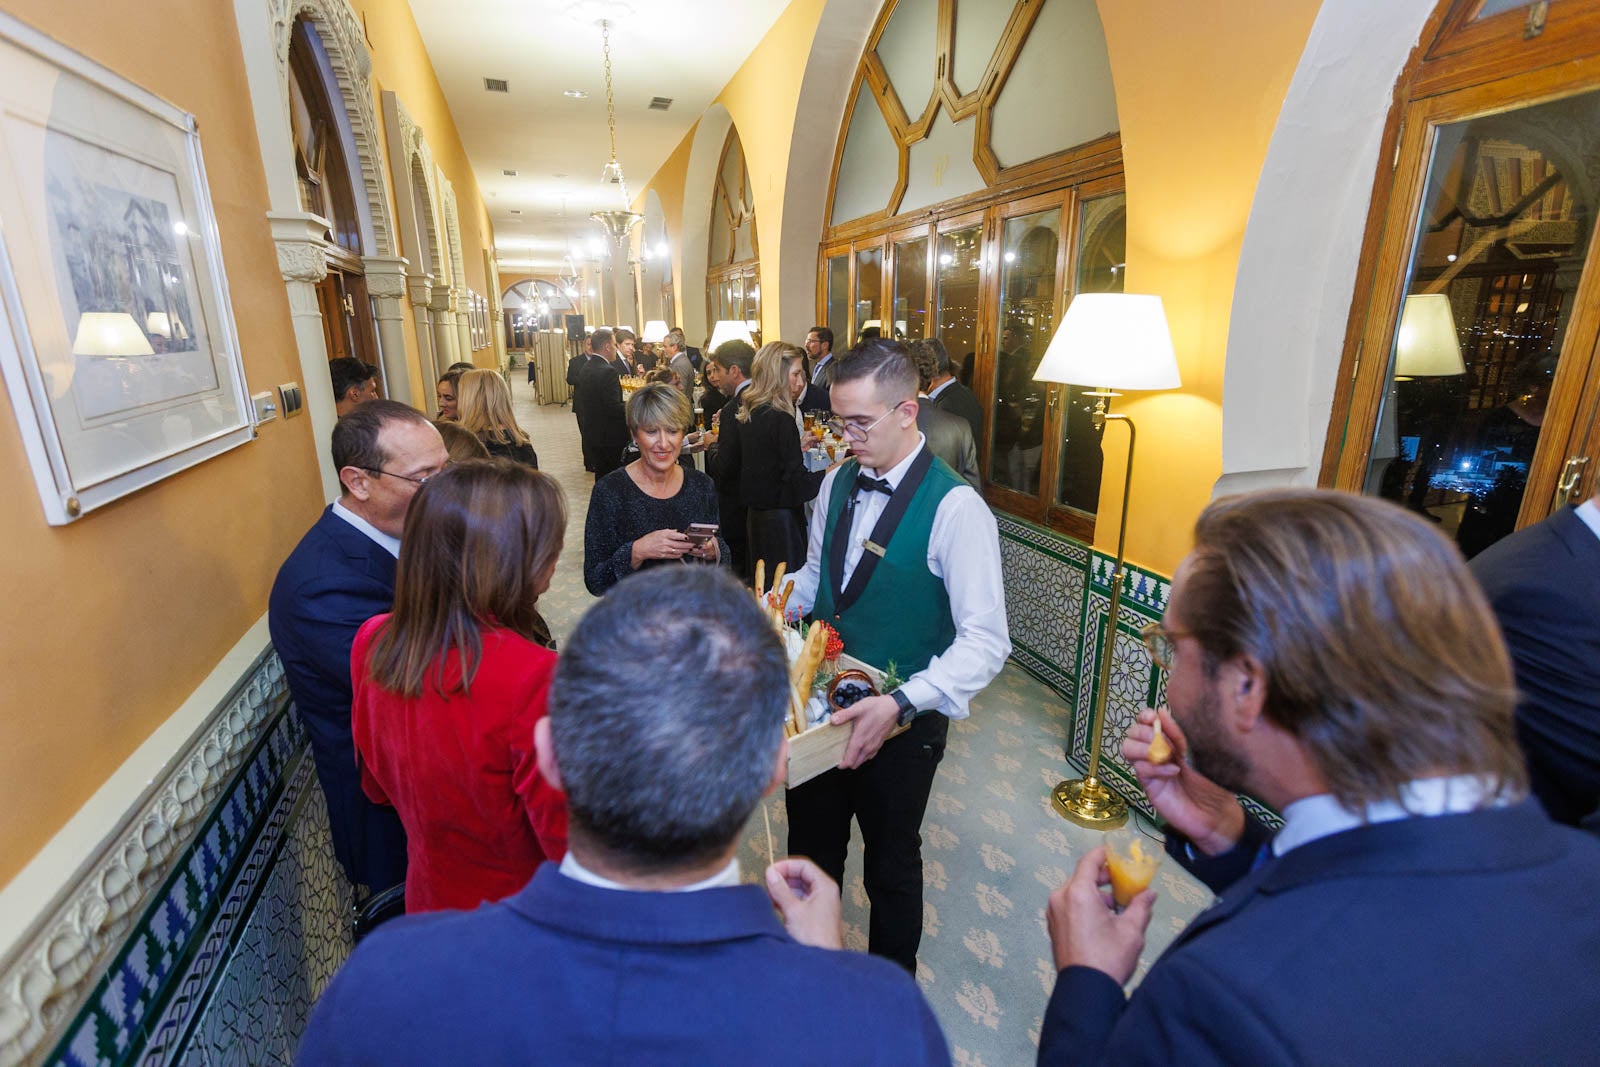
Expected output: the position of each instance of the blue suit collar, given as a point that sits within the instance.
(1493, 839)
(708, 915)
(358, 546)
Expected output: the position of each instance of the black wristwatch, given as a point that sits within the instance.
(908, 710)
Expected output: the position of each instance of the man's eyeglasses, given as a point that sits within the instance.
(1162, 644)
(418, 480)
(853, 429)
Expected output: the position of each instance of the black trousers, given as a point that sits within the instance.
(887, 797)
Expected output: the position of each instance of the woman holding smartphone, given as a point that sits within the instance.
(642, 515)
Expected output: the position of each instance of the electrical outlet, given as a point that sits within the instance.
(290, 401)
(265, 405)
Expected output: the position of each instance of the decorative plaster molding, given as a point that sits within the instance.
(299, 262)
(421, 289)
(344, 39)
(46, 981)
(386, 276)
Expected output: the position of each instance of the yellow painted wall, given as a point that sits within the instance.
(668, 185)
(400, 65)
(111, 622)
(1196, 121)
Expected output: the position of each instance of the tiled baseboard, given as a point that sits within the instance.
(219, 889)
(1058, 592)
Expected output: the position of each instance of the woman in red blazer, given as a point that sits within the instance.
(448, 686)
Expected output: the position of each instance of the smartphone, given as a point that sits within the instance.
(700, 532)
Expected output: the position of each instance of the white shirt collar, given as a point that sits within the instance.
(1310, 818)
(1589, 512)
(898, 471)
(723, 879)
(947, 383)
(389, 544)
(741, 387)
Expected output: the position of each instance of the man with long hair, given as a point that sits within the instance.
(1330, 654)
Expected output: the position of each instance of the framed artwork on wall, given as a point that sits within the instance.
(117, 340)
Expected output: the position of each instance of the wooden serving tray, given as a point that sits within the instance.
(820, 748)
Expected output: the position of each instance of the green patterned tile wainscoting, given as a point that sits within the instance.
(207, 925)
(1057, 594)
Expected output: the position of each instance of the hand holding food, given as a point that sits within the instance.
(1160, 748)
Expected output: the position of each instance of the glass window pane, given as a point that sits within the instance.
(752, 296)
(1501, 242)
(1028, 289)
(960, 253)
(1102, 255)
(869, 288)
(744, 248)
(911, 289)
(721, 252)
(839, 299)
(1495, 7)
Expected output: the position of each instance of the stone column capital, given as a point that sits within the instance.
(301, 239)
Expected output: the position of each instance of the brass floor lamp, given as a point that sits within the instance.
(1111, 341)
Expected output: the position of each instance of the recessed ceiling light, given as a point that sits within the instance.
(575, 94)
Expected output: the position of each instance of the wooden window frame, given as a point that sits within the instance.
(1469, 68)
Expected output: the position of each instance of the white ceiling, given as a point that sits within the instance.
(683, 49)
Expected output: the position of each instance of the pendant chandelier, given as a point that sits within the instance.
(618, 223)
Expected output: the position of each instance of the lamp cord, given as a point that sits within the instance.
(611, 110)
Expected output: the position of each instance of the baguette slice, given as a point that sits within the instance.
(1160, 747)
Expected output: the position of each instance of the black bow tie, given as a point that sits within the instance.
(878, 485)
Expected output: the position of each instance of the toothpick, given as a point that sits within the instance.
(771, 859)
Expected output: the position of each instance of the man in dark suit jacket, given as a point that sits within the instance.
(339, 576)
(1544, 584)
(602, 419)
(948, 393)
(1411, 875)
(733, 361)
(642, 946)
(819, 369)
(949, 436)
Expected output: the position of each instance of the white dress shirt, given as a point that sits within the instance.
(1310, 818)
(964, 551)
(389, 544)
(941, 387)
(723, 879)
(1589, 512)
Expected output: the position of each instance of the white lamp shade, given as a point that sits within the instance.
(753, 326)
(729, 330)
(1112, 341)
(654, 330)
(110, 333)
(1427, 345)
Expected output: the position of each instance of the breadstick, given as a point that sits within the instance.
(777, 576)
(1160, 747)
(783, 601)
(810, 658)
(761, 578)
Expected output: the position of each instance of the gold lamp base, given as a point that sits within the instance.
(1089, 804)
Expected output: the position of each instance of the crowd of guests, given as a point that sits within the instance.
(1329, 654)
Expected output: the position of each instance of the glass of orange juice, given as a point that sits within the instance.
(1132, 860)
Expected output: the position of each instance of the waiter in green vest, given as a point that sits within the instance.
(904, 561)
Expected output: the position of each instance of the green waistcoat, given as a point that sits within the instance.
(903, 615)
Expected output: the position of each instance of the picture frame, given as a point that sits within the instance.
(117, 340)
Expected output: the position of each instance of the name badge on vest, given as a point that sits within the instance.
(873, 547)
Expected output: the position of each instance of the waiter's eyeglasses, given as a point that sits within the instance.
(853, 428)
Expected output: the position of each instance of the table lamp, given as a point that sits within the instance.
(1427, 345)
(1109, 341)
(728, 330)
(110, 333)
(655, 331)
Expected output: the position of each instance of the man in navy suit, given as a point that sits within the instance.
(642, 946)
(1330, 654)
(1544, 584)
(339, 576)
(819, 358)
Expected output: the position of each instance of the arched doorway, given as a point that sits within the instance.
(327, 187)
(733, 266)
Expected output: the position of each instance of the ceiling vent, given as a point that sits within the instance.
(508, 174)
(496, 85)
(660, 103)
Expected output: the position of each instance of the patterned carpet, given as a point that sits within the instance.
(993, 848)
